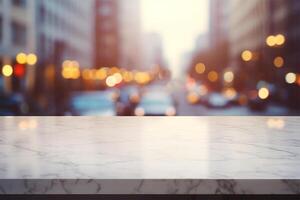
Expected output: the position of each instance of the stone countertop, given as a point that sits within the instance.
(150, 155)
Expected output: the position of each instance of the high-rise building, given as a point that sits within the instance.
(248, 26)
(218, 21)
(118, 33)
(66, 24)
(54, 31)
(17, 34)
(106, 33)
(130, 33)
(251, 23)
(34, 26)
(17, 25)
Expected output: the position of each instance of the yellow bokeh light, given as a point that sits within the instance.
(142, 78)
(87, 74)
(277, 40)
(247, 55)
(193, 98)
(71, 72)
(101, 74)
(263, 93)
(21, 58)
(128, 77)
(7, 70)
(229, 77)
(278, 62)
(32, 59)
(118, 78)
(111, 81)
(114, 70)
(200, 68)
(291, 78)
(213, 76)
(76, 73)
(271, 41)
(280, 39)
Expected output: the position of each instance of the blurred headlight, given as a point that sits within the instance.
(171, 111)
(139, 112)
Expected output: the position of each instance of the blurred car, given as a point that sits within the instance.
(156, 104)
(93, 104)
(217, 100)
(11, 105)
(129, 98)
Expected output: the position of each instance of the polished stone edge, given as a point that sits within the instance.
(205, 187)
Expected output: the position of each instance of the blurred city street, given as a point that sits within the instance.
(130, 58)
(186, 109)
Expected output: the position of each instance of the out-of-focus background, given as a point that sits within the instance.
(149, 58)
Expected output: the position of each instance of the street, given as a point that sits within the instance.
(186, 109)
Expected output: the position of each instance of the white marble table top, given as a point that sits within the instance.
(150, 148)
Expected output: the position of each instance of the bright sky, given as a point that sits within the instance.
(179, 22)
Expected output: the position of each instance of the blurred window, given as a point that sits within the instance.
(18, 34)
(19, 3)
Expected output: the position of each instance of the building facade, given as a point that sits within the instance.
(17, 32)
(66, 24)
(218, 21)
(251, 23)
(130, 34)
(118, 33)
(106, 33)
(53, 31)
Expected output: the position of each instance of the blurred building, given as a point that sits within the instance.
(68, 25)
(34, 26)
(17, 33)
(52, 32)
(153, 54)
(118, 33)
(218, 21)
(106, 33)
(248, 26)
(130, 34)
(17, 22)
(253, 27)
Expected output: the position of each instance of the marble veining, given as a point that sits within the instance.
(197, 155)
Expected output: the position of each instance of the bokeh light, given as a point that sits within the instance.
(278, 62)
(229, 77)
(200, 68)
(247, 55)
(21, 58)
(291, 78)
(7, 70)
(213, 76)
(32, 59)
(263, 93)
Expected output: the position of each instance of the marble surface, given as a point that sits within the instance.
(197, 155)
